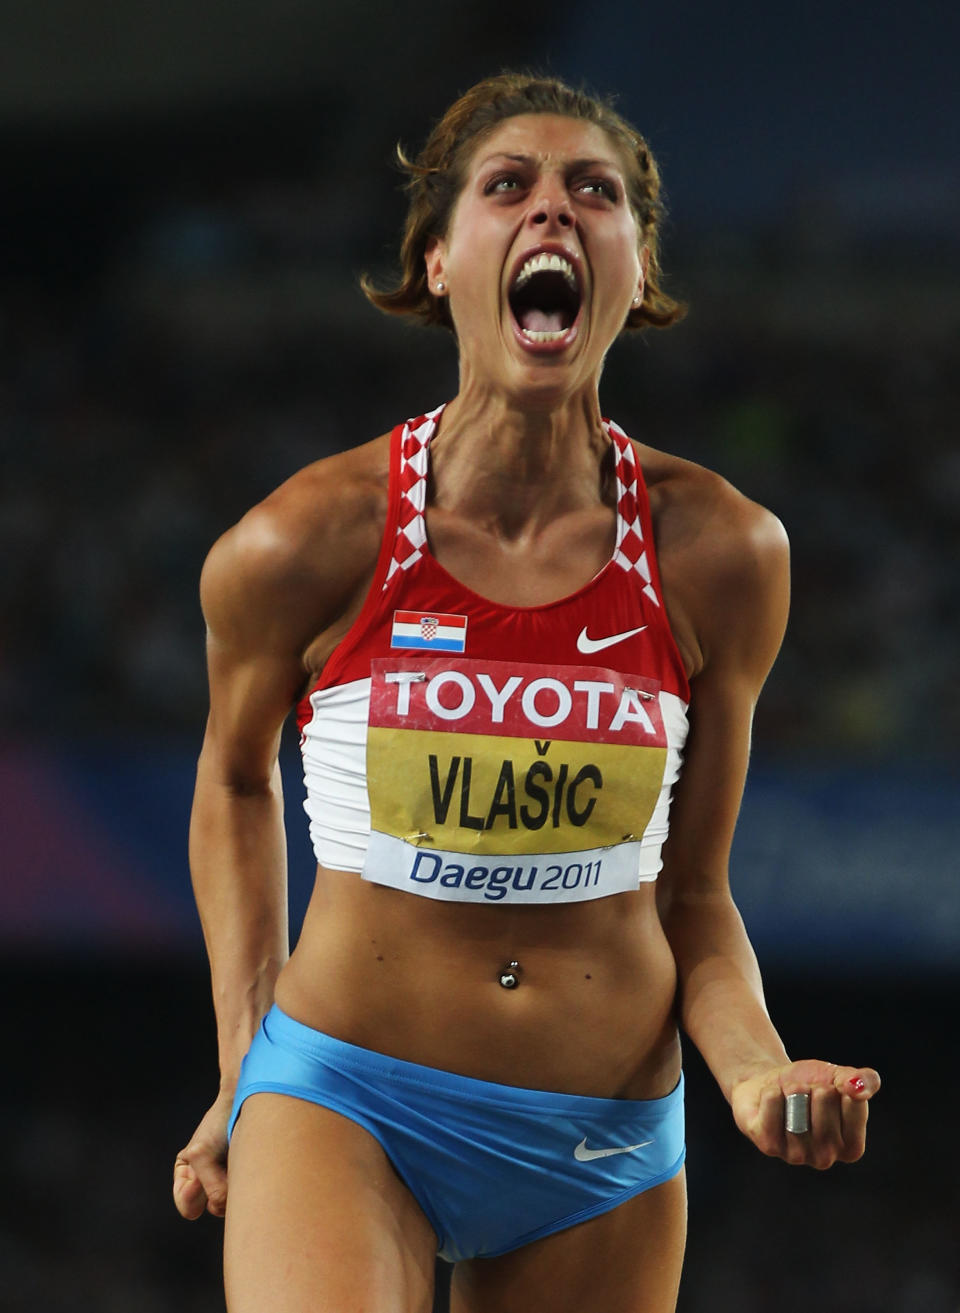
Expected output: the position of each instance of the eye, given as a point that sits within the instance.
(502, 184)
(599, 187)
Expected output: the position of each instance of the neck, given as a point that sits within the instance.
(516, 468)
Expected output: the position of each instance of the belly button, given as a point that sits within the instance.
(510, 975)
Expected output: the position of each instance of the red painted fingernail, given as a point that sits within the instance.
(857, 1084)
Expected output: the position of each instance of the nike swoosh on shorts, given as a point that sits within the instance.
(585, 1155)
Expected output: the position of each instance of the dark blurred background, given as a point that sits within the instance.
(189, 195)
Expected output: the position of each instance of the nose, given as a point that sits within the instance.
(551, 207)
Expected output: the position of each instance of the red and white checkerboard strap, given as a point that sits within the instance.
(630, 552)
(411, 526)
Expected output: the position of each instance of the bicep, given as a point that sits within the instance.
(706, 801)
(744, 622)
(255, 639)
(251, 695)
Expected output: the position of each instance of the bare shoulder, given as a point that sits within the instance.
(693, 505)
(295, 562)
(724, 560)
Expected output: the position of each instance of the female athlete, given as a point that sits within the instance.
(525, 652)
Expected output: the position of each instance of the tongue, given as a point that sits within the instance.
(542, 321)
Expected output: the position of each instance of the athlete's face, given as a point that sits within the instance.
(542, 260)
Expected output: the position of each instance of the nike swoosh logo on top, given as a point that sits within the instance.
(585, 644)
(585, 1155)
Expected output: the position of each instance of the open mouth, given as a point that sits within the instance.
(545, 298)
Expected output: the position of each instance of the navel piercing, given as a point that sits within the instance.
(510, 975)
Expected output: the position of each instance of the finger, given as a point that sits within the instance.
(771, 1137)
(825, 1141)
(188, 1193)
(213, 1179)
(853, 1113)
(858, 1083)
(799, 1080)
(217, 1199)
(200, 1182)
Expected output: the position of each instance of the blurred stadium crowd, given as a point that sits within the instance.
(164, 364)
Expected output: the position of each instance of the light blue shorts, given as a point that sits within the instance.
(492, 1166)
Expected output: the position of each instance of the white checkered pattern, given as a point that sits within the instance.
(411, 526)
(629, 553)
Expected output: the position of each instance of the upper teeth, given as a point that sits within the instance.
(546, 260)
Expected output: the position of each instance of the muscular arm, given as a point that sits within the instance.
(738, 603)
(237, 846)
(740, 614)
(271, 588)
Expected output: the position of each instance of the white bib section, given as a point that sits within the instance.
(334, 749)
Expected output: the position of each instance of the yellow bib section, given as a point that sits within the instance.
(498, 795)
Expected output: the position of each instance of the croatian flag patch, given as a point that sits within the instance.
(429, 631)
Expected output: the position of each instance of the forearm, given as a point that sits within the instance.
(722, 1007)
(238, 866)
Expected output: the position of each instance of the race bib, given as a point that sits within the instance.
(493, 780)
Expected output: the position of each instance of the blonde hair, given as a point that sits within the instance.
(436, 176)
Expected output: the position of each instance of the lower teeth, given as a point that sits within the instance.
(544, 337)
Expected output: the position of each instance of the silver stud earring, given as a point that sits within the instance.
(441, 287)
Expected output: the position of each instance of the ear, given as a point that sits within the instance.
(641, 278)
(644, 263)
(435, 261)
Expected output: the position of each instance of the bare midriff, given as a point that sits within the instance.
(592, 1012)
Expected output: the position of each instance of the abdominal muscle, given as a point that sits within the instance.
(417, 979)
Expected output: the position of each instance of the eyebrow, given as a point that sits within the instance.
(585, 163)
